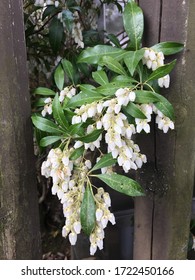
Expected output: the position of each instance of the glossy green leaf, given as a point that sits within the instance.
(121, 184)
(88, 209)
(83, 98)
(162, 71)
(87, 88)
(113, 65)
(46, 125)
(68, 69)
(165, 107)
(100, 77)
(134, 24)
(59, 77)
(111, 88)
(106, 160)
(144, 97)
(56, 33)
(120, 79)
(77, 153)
(44, 91)
(76, 129)
(133, 110)
(94, 54)
(168, 48)
(48, 140)
(132, 59)
(58, 113)
(91, 137)
(113, 38)
(49, 11)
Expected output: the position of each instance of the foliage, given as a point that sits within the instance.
(89, 126)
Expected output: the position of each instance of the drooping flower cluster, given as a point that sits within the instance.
(154, 60)
(103, 215)
(69, 180)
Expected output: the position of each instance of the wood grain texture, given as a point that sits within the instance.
(19, 222)
(169, 209)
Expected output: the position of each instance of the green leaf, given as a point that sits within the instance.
(94, 54)
(165, 107)
(111, 88)
(168, 48)
(123, 79)
(106, 160)
(134, 24)
(44, 91)
(134, 111)
(114, 40)
(49, 11)
(162, 71)
(87, 88)
(58, 113)
(68, 19)
(113, 65)
(68, 69)
(121, 184)
(132, 59)
(100, 77)
(59, 77)
(76, 129)
(144, 97)
(46, 125)
(91, 137)
(88, 209)
(83, 98)
(77, 153)
(48, 140)
(56, 33)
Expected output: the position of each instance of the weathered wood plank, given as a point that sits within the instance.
(175, 151)
(173, 174)
(144, 207)
(19, 222)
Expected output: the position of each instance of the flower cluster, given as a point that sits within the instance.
(47, 107)
(67, 92)
(103, 215)
(69, 181)
(42, 3)
(154, 60)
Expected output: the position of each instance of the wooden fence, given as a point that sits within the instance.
(162, 218)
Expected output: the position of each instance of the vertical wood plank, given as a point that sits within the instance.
(175, 151)
(19, 218)
(168, 215)
(144, 206)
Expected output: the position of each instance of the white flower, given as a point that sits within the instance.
(107, 199)
(76, 119)
(132, 96)
(48, 107)
(142, 124)
(164, 81)
(112, 218)
(93, 249)
(88, 164)
(72, 238)
(56, 3)
(164, 123)
(77, 227)
(39, 3)
(99, 214)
